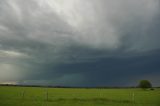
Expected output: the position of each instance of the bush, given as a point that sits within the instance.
(144, 84)
(151, 89)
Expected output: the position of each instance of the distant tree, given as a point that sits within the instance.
(144, 84)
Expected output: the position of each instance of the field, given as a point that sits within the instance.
(37, 96)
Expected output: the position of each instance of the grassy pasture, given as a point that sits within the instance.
(37, 96)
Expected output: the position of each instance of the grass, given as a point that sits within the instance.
(37, 96)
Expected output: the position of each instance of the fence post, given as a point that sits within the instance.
(23, 94)
(47, 95)
(133, 97)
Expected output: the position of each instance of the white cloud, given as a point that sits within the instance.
(12, 54)
(99, 24)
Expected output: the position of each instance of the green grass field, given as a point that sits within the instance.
(37, 96)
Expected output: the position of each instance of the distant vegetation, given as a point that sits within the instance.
(144, 84)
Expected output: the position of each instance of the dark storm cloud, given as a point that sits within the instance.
(58, 42)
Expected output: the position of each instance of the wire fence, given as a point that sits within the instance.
(46, 96)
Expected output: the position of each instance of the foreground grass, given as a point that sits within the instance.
(32, 96)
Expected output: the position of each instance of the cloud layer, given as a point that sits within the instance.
(37, 36)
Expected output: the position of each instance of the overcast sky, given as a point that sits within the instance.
(79, 42)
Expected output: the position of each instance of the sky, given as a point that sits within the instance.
(79, 42)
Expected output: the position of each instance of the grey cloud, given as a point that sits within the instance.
(47, 33)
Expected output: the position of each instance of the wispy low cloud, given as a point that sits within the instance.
(11, 54)
(38, 35)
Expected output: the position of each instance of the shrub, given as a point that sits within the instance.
(144, 84)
